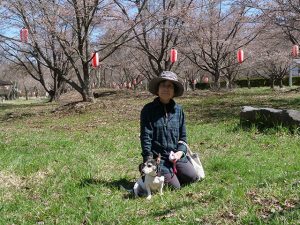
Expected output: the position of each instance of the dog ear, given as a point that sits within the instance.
(158, 158)
(141, 167)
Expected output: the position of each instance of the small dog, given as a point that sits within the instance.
(150, 181)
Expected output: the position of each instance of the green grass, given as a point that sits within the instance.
(65, 167)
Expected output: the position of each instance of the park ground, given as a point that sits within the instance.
(63, 163)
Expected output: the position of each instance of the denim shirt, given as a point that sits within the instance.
(162, 126)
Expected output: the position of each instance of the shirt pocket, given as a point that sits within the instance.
(159, 131)
(173, 134)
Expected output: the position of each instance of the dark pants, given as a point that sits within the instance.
(185, 174)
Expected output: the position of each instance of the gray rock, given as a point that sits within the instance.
(269, 117)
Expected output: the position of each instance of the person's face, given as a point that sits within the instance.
(166, 91)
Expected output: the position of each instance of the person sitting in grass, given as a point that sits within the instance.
(162, 125)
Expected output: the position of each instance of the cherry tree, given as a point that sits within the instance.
(217, 30)
(63, 34)
(161, 29)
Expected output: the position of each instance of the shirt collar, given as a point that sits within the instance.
(170, 106)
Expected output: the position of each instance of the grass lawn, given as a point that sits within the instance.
(64, 164)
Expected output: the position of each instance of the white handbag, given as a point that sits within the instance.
(195, 160)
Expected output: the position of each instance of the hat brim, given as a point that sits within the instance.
(153, 86)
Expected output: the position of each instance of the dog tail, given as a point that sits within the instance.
(124, 189)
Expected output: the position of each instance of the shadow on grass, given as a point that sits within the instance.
(214, 113)
(266, 129)
(16, 115)
(172, 211)
(226, 109)
(21, 110)
(111, 184)
(4, 106)
(115, 184)
(286, 104)
(98, 94)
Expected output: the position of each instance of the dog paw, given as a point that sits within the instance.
(161, 179)
(149, 197)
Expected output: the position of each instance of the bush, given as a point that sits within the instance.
(261, 82)
(202, 86)
(255, 82)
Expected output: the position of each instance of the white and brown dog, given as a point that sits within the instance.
(150, 181)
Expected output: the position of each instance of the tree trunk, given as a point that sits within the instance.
(194, 86)
(87, 94)
(231, 84)
(248, 82)
(280, 83)
(98, 77)
(272, 83)
(227, 84)
(51, 95)
(26, 93)
(217, 81)
(58, 88)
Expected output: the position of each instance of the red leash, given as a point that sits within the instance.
(172, 158)
(174, 167)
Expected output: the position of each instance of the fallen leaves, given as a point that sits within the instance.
(166, 215)
(270, 205)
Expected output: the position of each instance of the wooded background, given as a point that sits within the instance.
(134, 37)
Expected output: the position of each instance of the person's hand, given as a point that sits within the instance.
(178, 155)
(174, 156)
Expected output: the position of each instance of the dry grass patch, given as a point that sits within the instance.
(8, 180)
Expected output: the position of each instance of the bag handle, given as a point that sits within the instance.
(189, 151)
